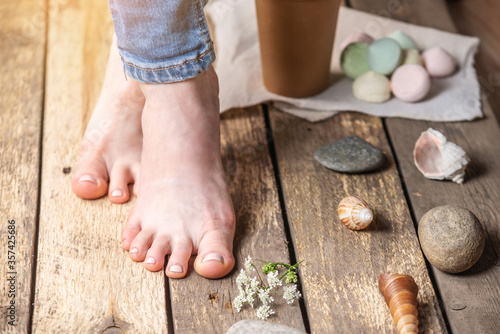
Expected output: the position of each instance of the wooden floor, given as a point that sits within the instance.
(72, 276)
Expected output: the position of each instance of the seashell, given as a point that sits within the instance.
(353, 60)
(400, 293)
(405, 41)
(355, 213)
(438, 158)
(438, 62)
(410, 83)
(359, 37)
(384, 55)
(372, 87)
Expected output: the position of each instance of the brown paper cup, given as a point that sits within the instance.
(296, 41)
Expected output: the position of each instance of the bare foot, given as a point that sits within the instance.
(112, 144)
(184, 206)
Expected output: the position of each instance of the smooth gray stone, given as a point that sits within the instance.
(257, 326)
(350, 155)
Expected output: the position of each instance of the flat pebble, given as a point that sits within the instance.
(404, 41)
(350, 155)
(410, 83)
(412, 56)
(263, 327)
(451, 238)
(372, 87)
(353, 59)
(438, 62)
(384, 55)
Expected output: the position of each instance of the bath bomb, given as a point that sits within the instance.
(438, 62)
(412, 56)
(451, 238)
(410, 83)
(359, 37)
(384, 56)
(353, 59)
(372, 87)
(404, 41)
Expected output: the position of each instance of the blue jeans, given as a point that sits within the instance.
(162, 41)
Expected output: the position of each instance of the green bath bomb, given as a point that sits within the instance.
(405, 41)
(384, 56)
(451, 238)
(353, 59)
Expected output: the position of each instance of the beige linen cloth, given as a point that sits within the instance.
(456, 98)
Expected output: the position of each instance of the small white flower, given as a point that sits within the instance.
(249, 264)
(273, 280)
(238, 302)
(290, 293)
(242, 279)
(264, 312)
(264, 296)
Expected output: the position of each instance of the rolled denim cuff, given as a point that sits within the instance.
(171, 70)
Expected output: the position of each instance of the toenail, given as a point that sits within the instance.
(213, 257)
(88, 178)
(116, 193)
(134, 251)
(176, 268)
(150, 260)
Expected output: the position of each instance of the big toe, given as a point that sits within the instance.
(90, 181)
(215, 258)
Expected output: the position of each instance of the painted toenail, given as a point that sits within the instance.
(116, 193)
(134, 251)
(213, 257)
(176, 268)
(150, 260)
(88, 178)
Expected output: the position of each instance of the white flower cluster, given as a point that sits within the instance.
(250, 288)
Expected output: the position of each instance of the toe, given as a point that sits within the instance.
(215, 258)
(156, 254)
(118, 184)
(130, 232)
(140, 245)
(90, 180)
(136, 175)
(178, 261)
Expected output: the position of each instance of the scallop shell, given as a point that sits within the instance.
(438, 158)
(355, 213)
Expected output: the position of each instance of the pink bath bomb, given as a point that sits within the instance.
(438, 62)
(410, 83)
(358, 37)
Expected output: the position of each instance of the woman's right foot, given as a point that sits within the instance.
(111, 147)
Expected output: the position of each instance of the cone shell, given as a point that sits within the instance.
(400, 293)
(355, 213)
(438, 158)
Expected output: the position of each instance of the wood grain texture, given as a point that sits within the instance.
(480, 18)
(342, 267)
(22, 40)
(201, 305)
(86, 282)
(471, 299)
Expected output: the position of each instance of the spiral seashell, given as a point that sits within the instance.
(355, 213)
(400, 293)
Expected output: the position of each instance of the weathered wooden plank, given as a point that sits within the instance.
(471, 299)
(479, 18)
(342, 267)
(201, 305)
(22, 37)
(86, 282)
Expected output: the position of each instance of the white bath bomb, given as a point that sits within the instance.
(412, 56)
(410, 83)
(438, 62)
(372, 87)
